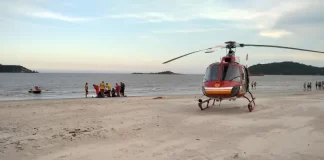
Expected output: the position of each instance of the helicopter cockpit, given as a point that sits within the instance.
(229, 72)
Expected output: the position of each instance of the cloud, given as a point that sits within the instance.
(251, 15)
(150, 16)
(208, 13)
(191, 30)
(15, 7)
(274, 33)
(214, 10)
(270, 18)
(304, 22)
(57, 16)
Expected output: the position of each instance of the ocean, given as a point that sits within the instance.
(15, 86)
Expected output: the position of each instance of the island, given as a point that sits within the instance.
(15, 69)
(164, 72)
(285, 68)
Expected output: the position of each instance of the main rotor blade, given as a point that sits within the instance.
(256, 45)
(189, 54)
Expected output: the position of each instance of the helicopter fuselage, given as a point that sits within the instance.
(221, 77)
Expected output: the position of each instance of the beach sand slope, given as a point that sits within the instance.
(289, 127)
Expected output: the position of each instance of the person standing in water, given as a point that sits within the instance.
(122, 89)
(310, 85)
(86, 89)
(117, 90)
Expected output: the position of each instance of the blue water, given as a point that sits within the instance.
(15, 86)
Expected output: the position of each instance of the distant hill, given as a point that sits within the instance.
(286, 68)
(14, 69)
(164, 72)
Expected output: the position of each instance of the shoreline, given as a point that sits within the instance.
(79, 98)
(258, 94)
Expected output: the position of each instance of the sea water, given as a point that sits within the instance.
(15, 86)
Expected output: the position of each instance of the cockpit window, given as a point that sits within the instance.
(211, 73)
(231, 73)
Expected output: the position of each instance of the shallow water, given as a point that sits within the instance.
(15, 86)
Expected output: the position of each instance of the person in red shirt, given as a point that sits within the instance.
(117, 90)
(37, 88)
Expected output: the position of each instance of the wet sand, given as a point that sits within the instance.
(280, 127)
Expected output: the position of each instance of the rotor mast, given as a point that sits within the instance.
(230, 45)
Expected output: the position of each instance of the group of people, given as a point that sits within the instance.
(105, 90)
(318, 85)
(307, 86)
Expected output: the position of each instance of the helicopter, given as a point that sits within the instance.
(228, 79)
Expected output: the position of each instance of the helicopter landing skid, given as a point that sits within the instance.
(205, 101)
(251, 104)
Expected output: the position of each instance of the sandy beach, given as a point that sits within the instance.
(287, 127)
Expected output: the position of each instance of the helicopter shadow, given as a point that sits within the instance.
(223, 109)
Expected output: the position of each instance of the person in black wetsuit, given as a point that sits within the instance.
(122, 89)
(113, 92)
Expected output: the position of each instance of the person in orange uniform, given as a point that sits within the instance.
(117, 90)
(96, 87)
(102, 87)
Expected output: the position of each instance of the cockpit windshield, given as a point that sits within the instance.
(211, 73)
(231, 73)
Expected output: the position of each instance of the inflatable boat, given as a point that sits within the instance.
(36, 90)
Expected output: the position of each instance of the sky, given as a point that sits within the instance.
(139, 35)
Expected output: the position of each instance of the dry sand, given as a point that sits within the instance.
(282, 127)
